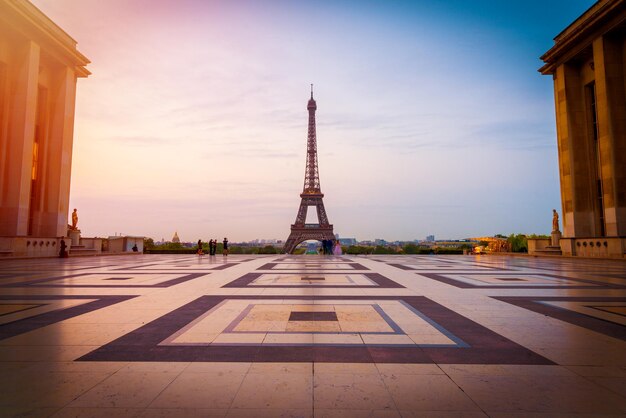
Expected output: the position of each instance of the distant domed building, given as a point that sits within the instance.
(175, 238)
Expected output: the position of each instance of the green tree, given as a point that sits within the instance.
(379, 249)
(411, 249)
(268, 249)
(358, 249)
(148, 243)
(518, 243)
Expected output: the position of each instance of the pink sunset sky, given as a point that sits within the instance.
(432, 118)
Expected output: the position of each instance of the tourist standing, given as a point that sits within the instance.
(337, 249)
(200, 247)
(63, 252)
(225, 242)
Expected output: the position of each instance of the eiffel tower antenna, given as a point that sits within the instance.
(311, 194)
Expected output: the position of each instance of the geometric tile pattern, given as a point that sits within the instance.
(313, 266)
(508, 280)
(281, 335)
(366, 330)
(165, 273)
(606, 315)
(111, 279)
(26, 313)
(321, 279)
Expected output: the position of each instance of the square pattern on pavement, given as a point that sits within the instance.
(276, 335)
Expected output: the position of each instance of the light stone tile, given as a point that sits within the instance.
(256, 338)
(51, 389)
(337, 339)
(442, 414)
(497, 393)
(387, 339)
(199, 390)
(96, 412)
(218, 368)
(313, 326)
(126, 390)
(346, 368)
(278, 368)
(26, 411)
(181, 413)
(351, 391)
(357, 413)
(363, 326)
(270, 413)
(427, 392)
(275, 391)
(306, 338)
(392, 369)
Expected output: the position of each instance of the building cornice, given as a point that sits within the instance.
(597, 20)
(24, 17)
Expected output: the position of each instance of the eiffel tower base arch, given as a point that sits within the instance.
(301, 234)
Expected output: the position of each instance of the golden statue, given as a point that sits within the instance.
(74, 219)
(555, 221)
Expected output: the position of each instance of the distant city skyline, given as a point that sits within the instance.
(432, 118)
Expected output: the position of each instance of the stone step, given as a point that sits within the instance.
(550, 251)
(81, 250)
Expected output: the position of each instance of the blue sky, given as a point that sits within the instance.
(432, 117)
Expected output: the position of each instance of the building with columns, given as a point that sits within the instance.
(587, 64)
(39, 68)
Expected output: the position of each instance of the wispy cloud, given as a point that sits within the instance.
(197, 112)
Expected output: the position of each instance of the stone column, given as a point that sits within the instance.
(59, 157)
(573, 143)
(608, 58)
(16, 173)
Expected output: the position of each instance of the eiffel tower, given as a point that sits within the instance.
(311, 195)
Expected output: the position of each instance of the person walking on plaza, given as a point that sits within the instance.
(200, 247)
(337, 249)
(225, 242)
(211, 252)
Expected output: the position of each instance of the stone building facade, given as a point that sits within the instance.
(587, 63)
(39, 68)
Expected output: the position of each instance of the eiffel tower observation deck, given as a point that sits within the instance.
(311, 194)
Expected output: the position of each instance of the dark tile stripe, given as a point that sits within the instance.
(21, 326)
(584, 283)
(302, 268)
(533, 303)
(44, 282)
(313, 316)
(482, 345)
(379, 280)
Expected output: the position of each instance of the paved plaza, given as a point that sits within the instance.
(303, 336)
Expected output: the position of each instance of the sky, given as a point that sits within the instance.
(432, 117)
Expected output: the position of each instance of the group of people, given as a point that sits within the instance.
(331, 247)
(213, 247)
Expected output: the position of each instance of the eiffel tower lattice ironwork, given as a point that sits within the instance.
(311, 195)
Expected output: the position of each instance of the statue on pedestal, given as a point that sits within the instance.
(555, 220)
(74, 219)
